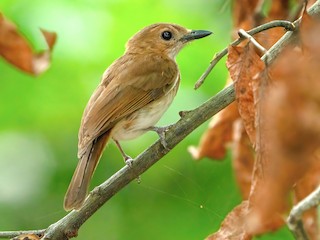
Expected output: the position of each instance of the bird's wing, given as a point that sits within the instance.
(128, 85)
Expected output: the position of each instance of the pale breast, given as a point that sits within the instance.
(138, 122)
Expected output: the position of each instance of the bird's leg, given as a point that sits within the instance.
(127, 159)
(161, 131)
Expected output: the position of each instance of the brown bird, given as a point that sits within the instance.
(134, 93)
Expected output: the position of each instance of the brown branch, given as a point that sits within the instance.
(294, 220)
(68, 226)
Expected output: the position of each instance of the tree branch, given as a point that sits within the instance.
(68, 226)
(294, 220)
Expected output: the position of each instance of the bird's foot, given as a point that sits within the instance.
(128, 160)
(161, 131)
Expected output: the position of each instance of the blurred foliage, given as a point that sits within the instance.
(178, 198)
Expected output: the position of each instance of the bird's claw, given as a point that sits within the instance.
(163, 139)
(161, 131)
(129, 161)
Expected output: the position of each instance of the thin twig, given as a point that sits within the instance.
(289, 26)
(243, 34)
(294, 220)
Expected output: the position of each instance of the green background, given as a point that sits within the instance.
(178, 197)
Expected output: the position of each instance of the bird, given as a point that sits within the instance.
(134, 93)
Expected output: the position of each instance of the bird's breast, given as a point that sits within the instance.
(138, 122)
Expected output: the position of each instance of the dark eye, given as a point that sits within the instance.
(166, 35)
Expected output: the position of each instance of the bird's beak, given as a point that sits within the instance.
(195, 34)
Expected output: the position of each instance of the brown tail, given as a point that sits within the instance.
(80, 181)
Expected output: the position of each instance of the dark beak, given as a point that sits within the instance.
(195, 34)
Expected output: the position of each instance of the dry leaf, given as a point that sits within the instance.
(293, 113)
(251, 87)
(244, 64)
(17, 51)
(284, 111)
(263, 218)
(27, 237)
(243, 158)
(50, 37)
(233, 226)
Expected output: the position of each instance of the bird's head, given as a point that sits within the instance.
(163, 38)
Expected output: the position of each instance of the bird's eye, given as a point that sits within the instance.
(166, 35)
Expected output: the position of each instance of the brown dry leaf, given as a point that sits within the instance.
(27, 237)
(260, 195)
(244, 64)
(16, 50)
(50, 37)
(287, 115)
(292, 111)
(214, 140)
(310, 28)
(243, 158)
(233, 226)
(247, 70)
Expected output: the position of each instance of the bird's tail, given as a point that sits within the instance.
(79, 185)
